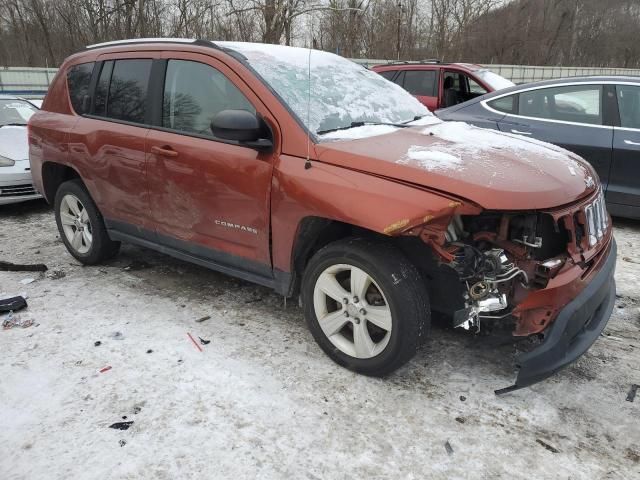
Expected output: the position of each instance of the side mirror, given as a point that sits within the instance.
(241, 126)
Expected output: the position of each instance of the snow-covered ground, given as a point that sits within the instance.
(262, 401)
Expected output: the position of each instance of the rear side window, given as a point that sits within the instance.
(505, 104)
(78, 81)
(194, 93)
(421, 82)
(388, 74)
(629, 105)
(576, 103)
(127, 94)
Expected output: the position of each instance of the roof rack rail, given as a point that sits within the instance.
(130, 41)
(413, 62)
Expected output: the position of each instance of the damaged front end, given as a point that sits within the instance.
(529, 271)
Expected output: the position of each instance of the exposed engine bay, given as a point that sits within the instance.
(499, 258)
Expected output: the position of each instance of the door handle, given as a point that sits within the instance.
(165, 151)
(629, 142)
(513, 130)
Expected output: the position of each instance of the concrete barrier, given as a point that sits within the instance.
(26, 82)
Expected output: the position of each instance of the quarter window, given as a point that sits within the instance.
(421, 82)
(194, 93)
(576, 103)
(629, 105)
(504, 104)
(78, 80)
(127, 97)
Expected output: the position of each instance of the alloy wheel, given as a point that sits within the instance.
(352, 311)
(76, 224)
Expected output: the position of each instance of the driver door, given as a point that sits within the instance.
(209, 197)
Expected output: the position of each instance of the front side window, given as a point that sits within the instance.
(576, 103)
(475, 87)
(629, 105)
(127, 95)
(194, 93)
(78, 81)
(421, 82)
(15, 112)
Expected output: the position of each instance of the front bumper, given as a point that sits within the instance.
(574, 330)
(18, 193)
(16, 184)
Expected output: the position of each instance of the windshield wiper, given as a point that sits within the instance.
(362, 124)
(13, 125)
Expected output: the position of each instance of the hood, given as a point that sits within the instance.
(14, 143)
(495, 170)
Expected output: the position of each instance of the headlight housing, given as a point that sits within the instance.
(6, 162)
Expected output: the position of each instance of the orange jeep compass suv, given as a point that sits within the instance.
(304, 172)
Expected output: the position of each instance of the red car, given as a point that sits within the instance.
(441, 85)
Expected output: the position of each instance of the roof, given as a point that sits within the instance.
(563, 81)
(470, 67)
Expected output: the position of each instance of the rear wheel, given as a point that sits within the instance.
(81, 225)
(366, 305)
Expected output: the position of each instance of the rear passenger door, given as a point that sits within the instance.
(569, 116)
(209, 197)
(624, 184)
(109, 140)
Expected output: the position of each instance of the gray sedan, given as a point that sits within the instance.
(596, 117)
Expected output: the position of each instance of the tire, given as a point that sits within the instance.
(81, 225)
(396, 292)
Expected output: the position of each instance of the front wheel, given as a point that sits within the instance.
(366, 305)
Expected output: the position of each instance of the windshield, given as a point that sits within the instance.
(495, 81)
(15, 112)
(341, 93)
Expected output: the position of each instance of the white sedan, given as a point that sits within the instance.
(15, 172)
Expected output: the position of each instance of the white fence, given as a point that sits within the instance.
(33, 82)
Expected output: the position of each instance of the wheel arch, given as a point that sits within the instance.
(55, 174)
(312, 234)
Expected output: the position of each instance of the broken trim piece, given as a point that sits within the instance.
(576, 328)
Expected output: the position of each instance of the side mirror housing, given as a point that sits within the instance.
(244, 127)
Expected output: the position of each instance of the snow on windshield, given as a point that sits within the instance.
(341, 91)
(15, 111)
(494, 80)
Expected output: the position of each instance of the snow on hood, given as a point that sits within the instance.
(493, 169)
(338, 93)
(472, 146)
(14, 143)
